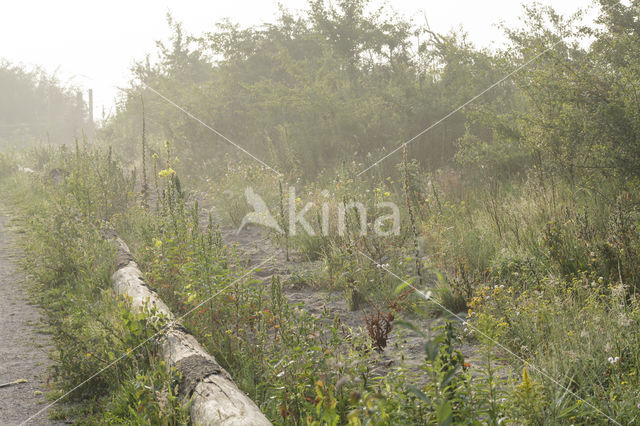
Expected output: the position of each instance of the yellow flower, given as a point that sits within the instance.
(387, 194)
(158, 243)
(166, 173)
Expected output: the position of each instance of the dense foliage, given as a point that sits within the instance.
(520, 215)
(308, 91)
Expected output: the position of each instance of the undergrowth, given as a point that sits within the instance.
(70, 263)
(305, 369)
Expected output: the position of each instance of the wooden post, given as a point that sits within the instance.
(91, 112)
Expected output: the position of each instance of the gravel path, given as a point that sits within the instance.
(23, 350)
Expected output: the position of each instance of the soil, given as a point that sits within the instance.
(404, 346)
(23, 347)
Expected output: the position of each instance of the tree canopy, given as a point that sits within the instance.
(339, 83)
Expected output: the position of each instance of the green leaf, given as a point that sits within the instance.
(449, 377)
(431, 349)
(418, 393)
(444, 413)
(404, 285)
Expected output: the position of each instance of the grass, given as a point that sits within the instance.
(552, 269)
(553, 283)
(71, 264)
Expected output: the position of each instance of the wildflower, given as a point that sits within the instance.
(166, 173)
(613, 360)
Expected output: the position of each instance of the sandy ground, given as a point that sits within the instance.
(404, 346)
(23, 349)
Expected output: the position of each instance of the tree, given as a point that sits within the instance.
(34, 106)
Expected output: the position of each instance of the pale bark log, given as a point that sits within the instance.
(216, 400)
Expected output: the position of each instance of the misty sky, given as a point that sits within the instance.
(93, 43)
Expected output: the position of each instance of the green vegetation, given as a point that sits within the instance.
(71, 262)
(297, 367)
(519, 217)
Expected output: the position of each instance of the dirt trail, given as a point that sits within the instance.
(403, 345)
(23, 350)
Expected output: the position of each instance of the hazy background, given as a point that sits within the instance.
(93, 44)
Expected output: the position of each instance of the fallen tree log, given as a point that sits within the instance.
(216, 400)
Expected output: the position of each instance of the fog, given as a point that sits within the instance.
(92, 44)
(326, 213)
